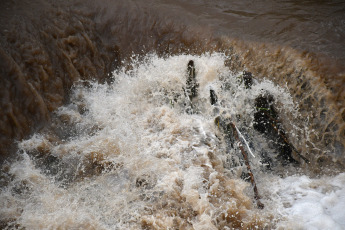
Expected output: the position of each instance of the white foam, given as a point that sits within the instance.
(306, 203)
(139, 125)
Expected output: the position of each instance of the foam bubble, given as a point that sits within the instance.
(126, 155)
(310, 203)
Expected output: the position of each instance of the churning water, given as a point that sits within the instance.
(127, 155)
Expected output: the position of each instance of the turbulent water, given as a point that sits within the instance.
(98, 132)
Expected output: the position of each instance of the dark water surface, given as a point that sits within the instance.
(47, 46)
(316, 26)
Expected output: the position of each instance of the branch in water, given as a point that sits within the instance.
(252, 180)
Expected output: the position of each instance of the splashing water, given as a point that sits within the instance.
(126, 155)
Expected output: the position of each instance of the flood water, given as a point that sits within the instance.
(98, 130)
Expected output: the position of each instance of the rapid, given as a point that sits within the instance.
(126, 155)
(98, 130)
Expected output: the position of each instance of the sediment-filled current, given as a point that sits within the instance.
(172, 115)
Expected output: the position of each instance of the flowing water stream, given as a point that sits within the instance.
(98, 130)
(127, 155)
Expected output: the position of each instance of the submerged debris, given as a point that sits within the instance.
(266, 121)
(232, 136)
(230, 130)
(191, 90)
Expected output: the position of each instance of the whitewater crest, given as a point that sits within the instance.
(127, 155)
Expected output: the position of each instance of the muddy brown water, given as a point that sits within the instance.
(48, 45)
